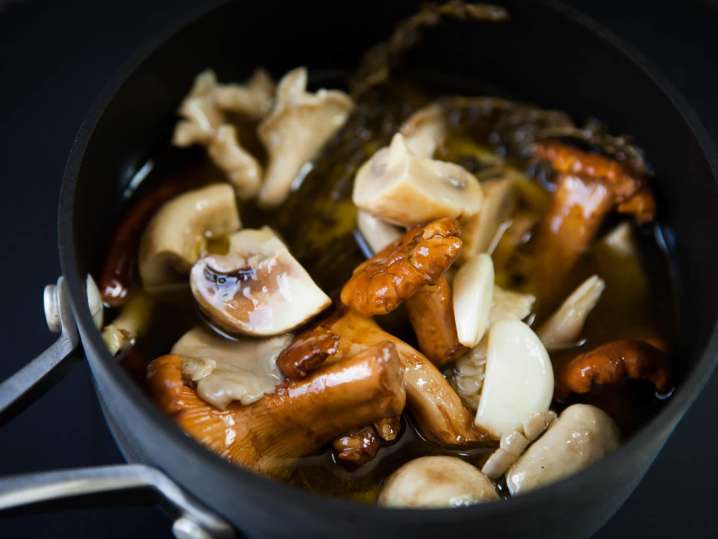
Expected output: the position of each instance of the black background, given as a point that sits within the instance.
(54, 59)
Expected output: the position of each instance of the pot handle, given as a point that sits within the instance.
(23, 386)
(193, 522)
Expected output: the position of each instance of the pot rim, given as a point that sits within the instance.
(104, 364)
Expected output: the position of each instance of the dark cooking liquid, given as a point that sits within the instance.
(318, 222)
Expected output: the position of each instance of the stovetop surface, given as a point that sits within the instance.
(54, 59)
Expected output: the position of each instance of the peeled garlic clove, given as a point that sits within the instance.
(436, 482)
(518, 380)
(472, 297)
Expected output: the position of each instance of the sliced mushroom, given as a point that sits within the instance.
(499, 203)
(436, 482)
(131, 323)
(258, 288)
(425, 130)
(518, 381)
(242, 169)
(377, 233)
(296, 420)
(298, 127)
(512, 445)
(176, 236)
(582, 435)
(397, 186)
(225, 371)
(472, 295)
(564, 327)
(253, 99)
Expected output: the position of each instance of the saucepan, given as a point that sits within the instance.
(548, 55)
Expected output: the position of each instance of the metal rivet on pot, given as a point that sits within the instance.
(52, 308)
(185, 528)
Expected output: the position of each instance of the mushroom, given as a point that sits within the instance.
(257, 289)
(425, 130)
(307, 353)
(580, 436)
(509, 305)
(131, 323)
(512, 445)
(564, 327)
(242, 169)
(473, 289)
(436, 482)
(589, 186)
(432, 317)
(498, 206)
(377, 233)
(252, 99)
(296, 420)
(118, 270)
(419, 257)
(358, 446)
(518, 380)
(614, 362)
(205, 123)
(225, 371)
(399, 187)
(201, 116)
(436, 408)
(298, 127)
(176, 236)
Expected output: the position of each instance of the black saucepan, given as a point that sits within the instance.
(548, 55)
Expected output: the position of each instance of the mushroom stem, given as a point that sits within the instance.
(432, 316)
(129, 324)
(294, 421)
(435, 406)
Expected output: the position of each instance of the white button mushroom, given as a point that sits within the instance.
(564, 327)
(176, 236)
(499, 203)
(436, 482)
(582, 435)
(425, 130)
(258, 288)
(518, 380)
(472, 296)
(300, 124)
(242, 370)
(377, 233)
(399, 187)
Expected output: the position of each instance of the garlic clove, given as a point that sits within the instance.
(472, 297)
(518, 380)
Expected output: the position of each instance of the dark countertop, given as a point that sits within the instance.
(54, 59)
